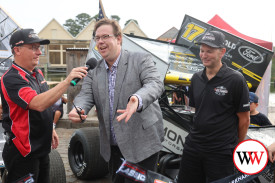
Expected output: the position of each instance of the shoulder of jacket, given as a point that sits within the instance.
(135, 53)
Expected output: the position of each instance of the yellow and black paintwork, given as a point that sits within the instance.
(174, 77)
(178, 78)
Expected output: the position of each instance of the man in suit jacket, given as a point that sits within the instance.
(124, 87)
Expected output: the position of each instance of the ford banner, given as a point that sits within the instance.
(248, 58)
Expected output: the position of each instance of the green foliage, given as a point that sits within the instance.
(96, 17)
(71, 27)
(129, 21)
(83, 20)
(115, 17)
(80, 22)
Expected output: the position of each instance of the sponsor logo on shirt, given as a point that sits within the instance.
(220, 90)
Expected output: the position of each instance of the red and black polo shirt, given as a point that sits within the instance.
(32, 129)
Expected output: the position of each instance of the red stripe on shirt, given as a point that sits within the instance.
(27, 94)
(20, 124)
(21, 72)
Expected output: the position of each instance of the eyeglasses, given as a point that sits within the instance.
(33, 47)
(103, 38)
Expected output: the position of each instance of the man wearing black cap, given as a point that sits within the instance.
(27, 113)
(220, 96)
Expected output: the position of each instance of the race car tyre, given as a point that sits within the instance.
(4, 176)
(84, 154)
(57, 169)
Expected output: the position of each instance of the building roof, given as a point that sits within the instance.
(170, 34)
(87, 32)
(133, 27)
(54, 30)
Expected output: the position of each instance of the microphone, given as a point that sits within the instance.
(91, 64)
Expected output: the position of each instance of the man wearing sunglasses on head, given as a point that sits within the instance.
(124, 87)
(27, 112)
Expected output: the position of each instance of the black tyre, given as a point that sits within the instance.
(84, 154)
(57, 169)
(4, 176)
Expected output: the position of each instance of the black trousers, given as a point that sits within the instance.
(200, 167)
(19, 166)
(115, 162)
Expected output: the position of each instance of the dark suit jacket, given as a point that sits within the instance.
(142, 135)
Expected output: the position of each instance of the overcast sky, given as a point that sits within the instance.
(255, 18)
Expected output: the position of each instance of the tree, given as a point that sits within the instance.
(83, 20)
(71, 27)
(130, 20)
(80, 22)
(96, 17)
(115, 17)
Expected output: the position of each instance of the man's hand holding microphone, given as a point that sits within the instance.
(78, 114)
(90, 65)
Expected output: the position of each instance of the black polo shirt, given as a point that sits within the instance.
(32, 129)
(217, 102)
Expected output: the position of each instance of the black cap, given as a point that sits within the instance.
(213, 39)
(26, 36)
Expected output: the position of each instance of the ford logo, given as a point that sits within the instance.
(250, 54)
